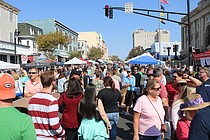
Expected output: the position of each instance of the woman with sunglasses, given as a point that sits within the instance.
(149, 114)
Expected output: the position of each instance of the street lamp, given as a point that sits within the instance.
(16, 34)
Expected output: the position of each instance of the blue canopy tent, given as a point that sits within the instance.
(145, 58)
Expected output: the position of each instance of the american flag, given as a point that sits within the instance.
(164, 1)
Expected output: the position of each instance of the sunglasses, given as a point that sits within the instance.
(174, 76)
(156, 88)
(178, 85)
(32, 73)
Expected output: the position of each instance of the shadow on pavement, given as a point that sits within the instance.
(125, 125)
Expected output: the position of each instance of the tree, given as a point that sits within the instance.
(95, 53)
(114, 58)
(49, 42)
(135, 52)
(74, 54)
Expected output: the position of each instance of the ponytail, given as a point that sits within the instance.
(113, 85)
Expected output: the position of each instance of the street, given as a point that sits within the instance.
(125, 125)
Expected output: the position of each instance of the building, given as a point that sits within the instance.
(146, 39)
(200, 29)
(9, 33)
(94, 39)
(83, 48)
(53, 25)
(28, 35)
(166, 50)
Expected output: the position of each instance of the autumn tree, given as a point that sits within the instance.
(74, 54)
(135, 52)
(95, 53)
(49, 42)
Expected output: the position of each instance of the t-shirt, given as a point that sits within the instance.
(204, 90)
(182, 130)
(33, 88)
(149, 122)
(109, 98)
(15, 125)
(43, 109)
(200, 126)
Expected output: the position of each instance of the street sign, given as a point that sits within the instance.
(129, 7)
(24, 59)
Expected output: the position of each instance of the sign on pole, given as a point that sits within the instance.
(129, 7)
(24, 59)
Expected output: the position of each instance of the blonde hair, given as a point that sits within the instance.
(24, 73)
(15, 76)
(186, 91)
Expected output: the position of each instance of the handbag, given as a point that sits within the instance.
(97, 115)
(163, 125)
(62, 106)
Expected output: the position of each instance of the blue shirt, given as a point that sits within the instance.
(204, 90)
(200, 125)
(131, 81)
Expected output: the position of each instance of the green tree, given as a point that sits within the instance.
(135, 52)
(95, 53)
(76, 54)
(49, 42)
(115, 58)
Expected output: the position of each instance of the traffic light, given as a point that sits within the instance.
(110, 13)
(107, 10)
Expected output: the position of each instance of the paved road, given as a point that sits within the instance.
(125, 125)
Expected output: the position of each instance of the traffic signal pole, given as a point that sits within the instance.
(148, 13)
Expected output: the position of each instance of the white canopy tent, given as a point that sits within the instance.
(75, 61)
(6, 65)
(92, 61)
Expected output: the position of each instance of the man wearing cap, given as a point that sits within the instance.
(43, 108)
(33, 85)
(13, 124)
(74, 74)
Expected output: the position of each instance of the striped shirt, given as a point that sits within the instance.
(43, 109)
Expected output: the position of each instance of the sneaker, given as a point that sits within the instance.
(126, 113)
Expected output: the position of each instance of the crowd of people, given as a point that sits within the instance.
(81, 102)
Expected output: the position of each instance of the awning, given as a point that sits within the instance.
(201, 55)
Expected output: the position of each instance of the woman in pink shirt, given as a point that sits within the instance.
(149, 114)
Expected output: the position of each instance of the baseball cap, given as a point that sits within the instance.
(7, 86)
(76, 72)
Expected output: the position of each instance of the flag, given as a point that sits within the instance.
(164, 1)
(162, 21)
(161, 7)
(162, 14)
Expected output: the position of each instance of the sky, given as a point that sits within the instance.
(88, 15)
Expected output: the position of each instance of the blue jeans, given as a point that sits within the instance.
(149, 137)
(113, 118)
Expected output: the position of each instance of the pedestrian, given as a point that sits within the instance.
(92, 126)
(14, 125)
(70, 99)
(111, 97)
(33, 85)
(43, 108)
(149, 114)
(188, 109)
(129, 82)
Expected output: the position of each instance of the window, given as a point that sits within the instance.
(11, 16)
(61, 47)
(164, 49)
(11, 36)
